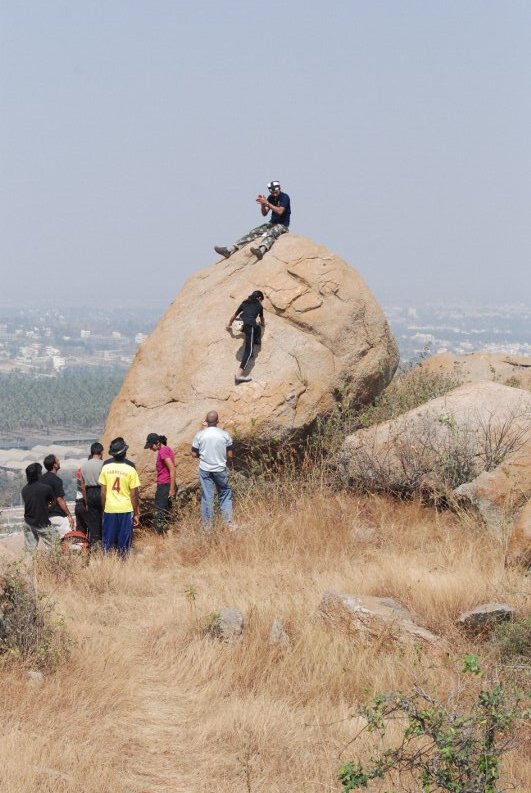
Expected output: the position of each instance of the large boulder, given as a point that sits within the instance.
(441, 444)
(511, 370)
(326, 338)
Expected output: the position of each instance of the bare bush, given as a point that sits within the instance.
(432, 454)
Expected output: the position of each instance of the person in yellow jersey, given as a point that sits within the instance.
(119, 499)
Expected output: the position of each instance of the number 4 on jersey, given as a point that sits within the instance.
(116, 485)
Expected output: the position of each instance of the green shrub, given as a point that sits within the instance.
(512, 641)
(441, 746)
(29, 631)
(412, 386)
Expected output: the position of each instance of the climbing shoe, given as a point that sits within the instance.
(258, 252)
(225, 252)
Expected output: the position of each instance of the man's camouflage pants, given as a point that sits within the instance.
(268, 233)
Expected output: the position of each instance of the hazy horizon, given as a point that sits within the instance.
(136, 136)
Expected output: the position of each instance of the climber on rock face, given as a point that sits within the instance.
(278, 203)
(248, 312)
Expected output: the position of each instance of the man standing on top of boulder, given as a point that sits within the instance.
(278, 204)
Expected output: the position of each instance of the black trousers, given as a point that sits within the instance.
(253, 335)
(94, 514)
(80, 513)
(162, 508)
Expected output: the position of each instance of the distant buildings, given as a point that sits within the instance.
(50, 343)
(421, 330)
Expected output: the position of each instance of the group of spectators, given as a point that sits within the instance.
(107, 500)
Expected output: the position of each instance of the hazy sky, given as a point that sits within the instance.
(136, 134)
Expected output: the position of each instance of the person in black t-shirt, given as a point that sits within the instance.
(279, 204)
(248, 312)
(60, 516)
(38, 498)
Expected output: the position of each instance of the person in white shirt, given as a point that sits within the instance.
(213, 447)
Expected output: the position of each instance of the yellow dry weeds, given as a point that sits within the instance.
(148, 704)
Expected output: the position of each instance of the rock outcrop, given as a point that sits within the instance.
(511, 370)
(455, 435)
(482, 430)
(500, 495)
(326, 336)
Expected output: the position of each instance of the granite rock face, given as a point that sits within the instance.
(325, 336)
(500, 497)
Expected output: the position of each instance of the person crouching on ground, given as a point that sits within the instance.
(249, 311)
(119, 499)
(165, 466)
(213, 447)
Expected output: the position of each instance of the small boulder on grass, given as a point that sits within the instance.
(278, 634)
(226, 624)
(35, 677)
(372, 616)
(485, 616)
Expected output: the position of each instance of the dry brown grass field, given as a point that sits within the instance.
(147, 703)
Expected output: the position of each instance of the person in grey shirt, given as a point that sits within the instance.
(90, 487)
(213, 447)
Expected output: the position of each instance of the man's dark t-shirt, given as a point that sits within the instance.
(56, 483)
(36, 497)
(249, 311)
(281, 200)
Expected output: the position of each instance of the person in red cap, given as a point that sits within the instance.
(165, 465)
(278, 203)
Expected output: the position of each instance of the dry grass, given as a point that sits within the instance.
(147, 703)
